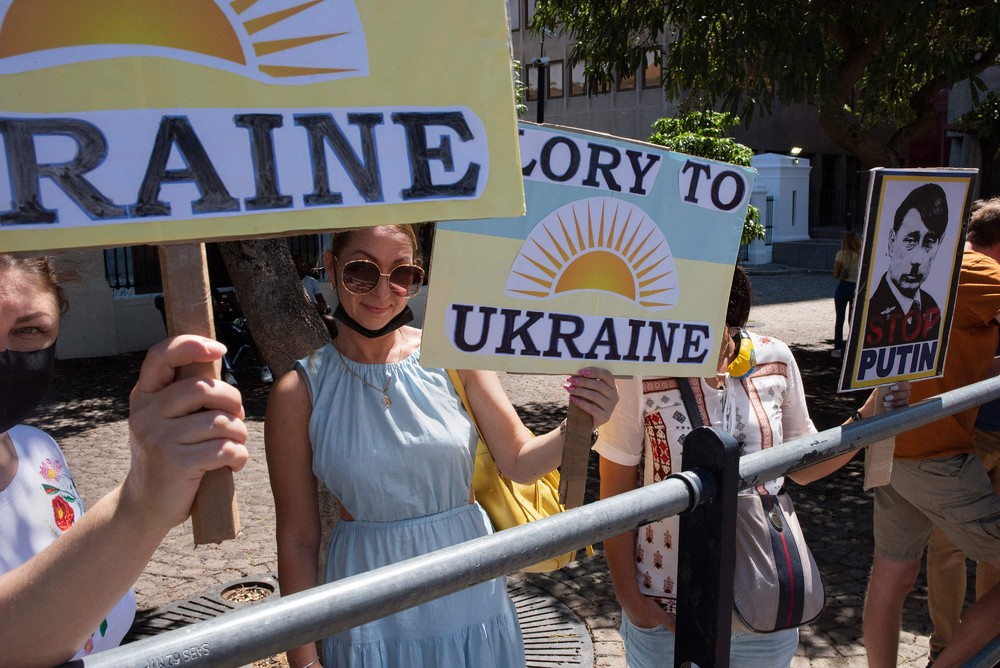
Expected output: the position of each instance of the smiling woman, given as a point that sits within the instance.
(393, 443)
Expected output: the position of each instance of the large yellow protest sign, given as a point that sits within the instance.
(624, 260)
(168, 120)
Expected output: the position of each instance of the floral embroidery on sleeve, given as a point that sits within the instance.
(63, 513)
(66, 503)
(51, 470)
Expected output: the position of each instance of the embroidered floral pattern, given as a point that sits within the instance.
(66, 503)
(51, 470)
(63, 513)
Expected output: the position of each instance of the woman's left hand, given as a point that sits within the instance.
(594, 391)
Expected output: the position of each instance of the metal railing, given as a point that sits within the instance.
(242, 636)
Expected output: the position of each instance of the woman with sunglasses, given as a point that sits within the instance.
(394, 445)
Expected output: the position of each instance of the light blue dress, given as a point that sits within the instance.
(403, 473)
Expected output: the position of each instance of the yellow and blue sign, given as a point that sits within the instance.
(176, 120)
(624, 260)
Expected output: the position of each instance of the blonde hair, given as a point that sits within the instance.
(341, 237)
(850, 242)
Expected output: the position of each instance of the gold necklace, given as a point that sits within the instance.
(388, 381)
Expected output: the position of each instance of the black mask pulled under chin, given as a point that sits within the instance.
(24, 378)
(403, 318)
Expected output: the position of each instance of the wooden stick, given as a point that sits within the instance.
(878, 456)
(188, 308)
(576, 456)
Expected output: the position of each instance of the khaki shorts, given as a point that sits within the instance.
(952, 492)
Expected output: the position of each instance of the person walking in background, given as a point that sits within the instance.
(845, 270)
(65, 575)
(392, 442)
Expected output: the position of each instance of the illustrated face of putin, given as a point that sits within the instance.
(912, 248)
(918, 226)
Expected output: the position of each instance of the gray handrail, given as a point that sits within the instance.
(242, 636)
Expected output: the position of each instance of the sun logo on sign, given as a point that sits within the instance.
(598, 244)
(274, 41)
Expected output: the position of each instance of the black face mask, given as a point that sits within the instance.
(24, 378)
(404, 317)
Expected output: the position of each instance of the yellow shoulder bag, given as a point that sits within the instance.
(509, 503)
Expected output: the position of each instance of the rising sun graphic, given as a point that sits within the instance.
(277, 41)
(598, 244)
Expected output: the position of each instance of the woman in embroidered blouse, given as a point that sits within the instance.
(66, 598)
(761, 410)
(394, 445)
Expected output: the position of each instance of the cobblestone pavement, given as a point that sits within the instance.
(87, 413)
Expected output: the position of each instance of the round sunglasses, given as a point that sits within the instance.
(362, 276)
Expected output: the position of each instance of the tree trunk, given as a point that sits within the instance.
(844, 130)
(285, 325)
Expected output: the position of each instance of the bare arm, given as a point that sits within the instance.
(898, 397)
(519, 455)
(296, 499)
(177, 432)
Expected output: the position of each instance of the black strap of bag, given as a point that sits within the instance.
(796, 602)
(690, 403)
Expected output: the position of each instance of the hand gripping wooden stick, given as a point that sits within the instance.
(188, 309)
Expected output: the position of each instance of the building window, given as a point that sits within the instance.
(555, 88)
(652, 74)
(310, 247)
(531, 82)
(529, 10)
(626, 83)
(514, 10)
(577, 85)
(133, 270)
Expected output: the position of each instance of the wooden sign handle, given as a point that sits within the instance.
(878, 456)
(188, 309)
(576, 456)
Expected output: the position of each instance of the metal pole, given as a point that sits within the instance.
(270, 627)
(760, 467)
(543, 85)
(708, 554)
(242, 636)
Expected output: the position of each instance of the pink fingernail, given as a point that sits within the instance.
(586, 372)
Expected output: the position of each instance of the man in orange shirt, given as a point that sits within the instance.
(937, 480)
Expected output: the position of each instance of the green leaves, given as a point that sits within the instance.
(703, 134)
(880, 61)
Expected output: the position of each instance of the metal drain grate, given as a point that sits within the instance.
(201, 607)
(553, 634)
